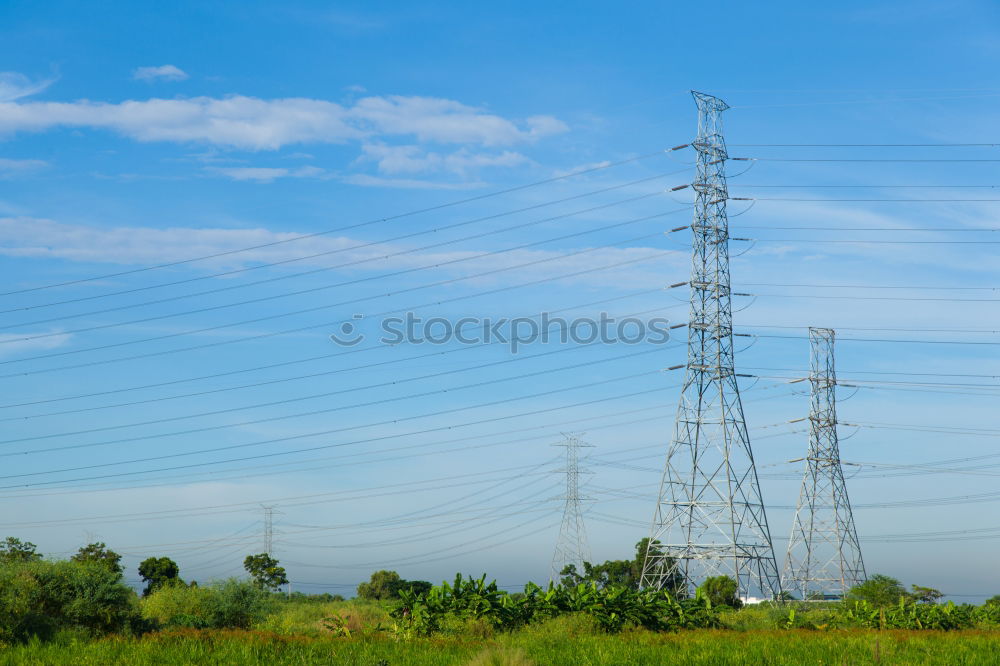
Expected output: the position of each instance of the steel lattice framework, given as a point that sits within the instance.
(571, 546)
(709, 517)
(824, 556)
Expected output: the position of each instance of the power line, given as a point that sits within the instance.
(326, 432)
(310, 290)
(270, 366)
(865, 286)
(785, 159)
(397, 216)
(412, 234)
(873, 229)
(281, 380)
(489, 382)
(299, 329)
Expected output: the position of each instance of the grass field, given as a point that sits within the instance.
(542, 645)
(298, 634)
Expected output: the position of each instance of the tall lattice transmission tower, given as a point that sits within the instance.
(571, 547)
(709, 517)
(824, 556)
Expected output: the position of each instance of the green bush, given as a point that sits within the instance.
(180, 606)
(239, 604)
(228, 604)
(39, 599)
(719, 591)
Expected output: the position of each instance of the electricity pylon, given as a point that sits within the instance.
(268, 528)
(571, 547)
(709, 517)
(824, 556)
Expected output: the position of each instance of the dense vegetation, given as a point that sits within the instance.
(55, 612)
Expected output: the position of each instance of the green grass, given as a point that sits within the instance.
(296, 634)
(557, 643)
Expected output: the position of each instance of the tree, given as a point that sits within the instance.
(265, 572)
(927, 595)
(719, 591)
(387, 585)
(100, 554)
(157, 572)
(993, 601)
(879, 590)
(620, 573)
(13, 549)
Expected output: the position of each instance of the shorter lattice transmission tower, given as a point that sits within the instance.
(268, 528)
(571, 547)
(824, 556)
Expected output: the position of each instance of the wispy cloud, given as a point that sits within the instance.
(40, 238)
(15, 86)
(257, 124)
(267, 174)
(12, 343)
(163, 73)
(413, 159)
(10, 168)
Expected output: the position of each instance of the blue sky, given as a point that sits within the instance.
(133, 137)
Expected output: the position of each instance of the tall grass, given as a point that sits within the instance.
(539, 645)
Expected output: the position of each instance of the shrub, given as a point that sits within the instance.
(229, 604)
(719, 591)
(180, 606)
(38, 599)
(239, 604)
(879, 590)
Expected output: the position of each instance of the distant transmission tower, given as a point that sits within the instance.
(268, 528)
(571, 547)
(824, 557)
(709, 517)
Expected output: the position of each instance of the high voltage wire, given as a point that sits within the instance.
(270, 366)
(338, 266)
(322, 374)
(882, 298)
(907, 229)
(872, 241)
(864, 286)
(413, 234)
(864, 145)
(868, 200)
(261, 299)
(328, 394)
(328, 446)
(348, 227)
(260, 336)
(955, 186)
(907, 330)
(830, 159)
(312, 467)
(340, 495)
(900, 341)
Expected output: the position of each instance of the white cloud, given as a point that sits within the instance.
(257, 124)
(9, 167)
(266, 174)
(41, 238)
(13, 343)
(164, 72)
(15, 86)
(413, 159)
